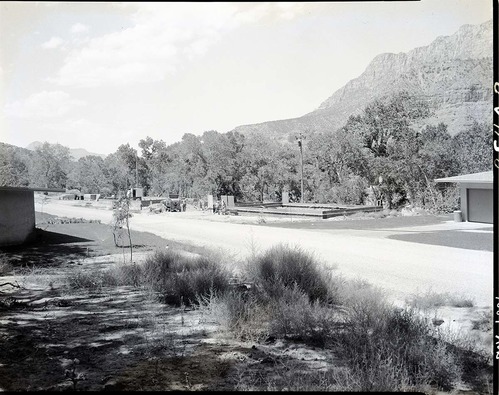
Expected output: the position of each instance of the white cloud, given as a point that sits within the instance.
(53, 43)
(163, 35)
(79, 28)
(43, 105)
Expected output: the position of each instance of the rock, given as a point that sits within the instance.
(437, 321)
(453, 73)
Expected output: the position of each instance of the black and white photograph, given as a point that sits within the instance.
(248, 196)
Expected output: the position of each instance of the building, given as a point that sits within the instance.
(477, 195)
(17, 214)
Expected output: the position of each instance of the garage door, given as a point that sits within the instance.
(480, 207)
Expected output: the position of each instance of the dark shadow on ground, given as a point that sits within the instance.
(47, 248)
(451, 238)
(107, 331)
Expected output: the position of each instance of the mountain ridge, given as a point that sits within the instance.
(453, 73)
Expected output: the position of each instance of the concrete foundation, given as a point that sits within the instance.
(323, 211)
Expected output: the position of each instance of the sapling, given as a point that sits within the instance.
(121, 215)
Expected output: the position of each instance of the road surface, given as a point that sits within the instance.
(401, 268)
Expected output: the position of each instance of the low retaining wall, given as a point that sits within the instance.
(308, 210)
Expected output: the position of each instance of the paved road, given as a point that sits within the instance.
(400, 267)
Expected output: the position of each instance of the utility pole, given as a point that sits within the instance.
(300, 139)
(136, 172)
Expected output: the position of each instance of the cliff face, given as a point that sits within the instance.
(454, 74)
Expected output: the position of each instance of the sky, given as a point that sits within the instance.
(98, 75)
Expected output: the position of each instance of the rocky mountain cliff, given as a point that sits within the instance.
(454, 74)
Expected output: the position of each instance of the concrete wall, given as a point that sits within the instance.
(17, 216)
(464, 196)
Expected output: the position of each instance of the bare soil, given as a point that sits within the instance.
(119, 338)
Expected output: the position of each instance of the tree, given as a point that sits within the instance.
(472, 148)
(260, 158)
(49, 166)
(385, 132)
(339, 167)
(158, 160)
(14, 166)
(117, 173)
(124, 169)
(383, 120)
(121, 215)
(221, 161)
(88, 174)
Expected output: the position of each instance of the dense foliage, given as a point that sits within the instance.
(385, 153)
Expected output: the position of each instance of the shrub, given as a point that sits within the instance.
(282, 267)
(130, 274)
(242, 314)
(180, 279)
(91, 280)
(384, 349)
(291, 295)
(395, 350)
(432, 299)
(294, 315)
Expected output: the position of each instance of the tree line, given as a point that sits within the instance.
(379, 154)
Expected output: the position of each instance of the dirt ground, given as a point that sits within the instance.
(120, 338)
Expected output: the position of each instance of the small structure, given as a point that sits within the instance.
(285, 196)
(135, 193)
(91, 196)
(477, 195)
(229, 201)
(17, 214)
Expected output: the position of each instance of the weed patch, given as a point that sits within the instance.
(283, 267)
(181, 279)
(432, 299)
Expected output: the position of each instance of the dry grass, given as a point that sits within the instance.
(431, 299)
(289, 295)
(177, 278)
(242, 315)
(384, 348)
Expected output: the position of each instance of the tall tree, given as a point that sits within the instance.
(88, 174)
(50, 165)
(14, 169)
(472, 148)
(383, 128)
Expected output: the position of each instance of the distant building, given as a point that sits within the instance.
(135, 193)
(477, 195)
(17, 214)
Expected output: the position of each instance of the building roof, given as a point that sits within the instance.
(486, 177)
(7, 188)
